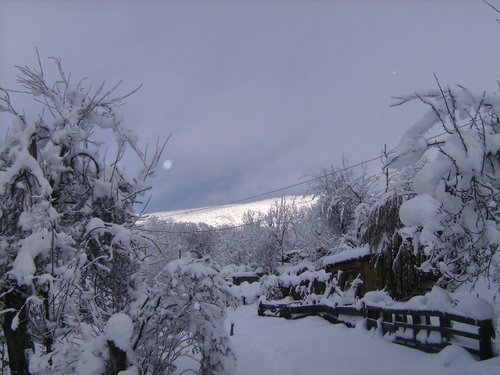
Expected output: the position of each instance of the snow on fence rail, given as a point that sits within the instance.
(425, 330)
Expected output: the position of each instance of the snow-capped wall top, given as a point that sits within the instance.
(346, 255)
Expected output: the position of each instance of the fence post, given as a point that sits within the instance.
(287, 313)
(415, 319)
(380, 323)
(486, 332)
(260, 311)
(444, 324)
(362, 309)
(388, 318)
(428, 324)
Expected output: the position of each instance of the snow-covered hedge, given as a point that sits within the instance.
(296, 286)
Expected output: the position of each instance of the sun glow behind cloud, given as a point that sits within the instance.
(167, 164)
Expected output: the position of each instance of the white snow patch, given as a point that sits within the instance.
(90, 361)
(119, 329)
(378, 297)
(38, 243)
(413, 145)
(419, 211)
(130, 371)
(455, 355)
(476, 308)
(251, 291)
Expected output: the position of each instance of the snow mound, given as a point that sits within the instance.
(419, 211)
(119, 330)
(251, 291)
(453, 355)
(476, 308)
(378, 297)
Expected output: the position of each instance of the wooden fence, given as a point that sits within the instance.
(425, 330)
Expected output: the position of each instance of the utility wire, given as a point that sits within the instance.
(219, 229)
(209, 208)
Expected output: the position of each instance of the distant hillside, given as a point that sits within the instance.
(227, 215)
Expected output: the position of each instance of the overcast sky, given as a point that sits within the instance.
(258, 94)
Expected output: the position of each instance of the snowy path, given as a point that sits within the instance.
(312, 346)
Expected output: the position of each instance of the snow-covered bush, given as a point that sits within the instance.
(346, 295)
(270, 288)
(297, 285)
(454, 217)
(247, 293)
(181, 314)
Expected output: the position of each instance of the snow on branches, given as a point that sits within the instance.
(72, 261)
(181, 314)
(454, 217)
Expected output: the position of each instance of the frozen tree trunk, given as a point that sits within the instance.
(18, 340)
(117, 359)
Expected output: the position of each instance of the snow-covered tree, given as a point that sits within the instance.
(256, 242)
(73, 262)
(340, 214)
(68, 241)
(380, 230)
(453, 219)
(279, 222)
(341, 193)
(313, 237)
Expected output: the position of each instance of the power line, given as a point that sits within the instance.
(273, 191)
(209, 208)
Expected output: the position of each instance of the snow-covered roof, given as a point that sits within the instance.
(244, 274)
(346, 255)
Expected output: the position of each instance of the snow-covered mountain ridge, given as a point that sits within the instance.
(228, 214)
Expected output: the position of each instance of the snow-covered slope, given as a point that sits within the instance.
(230, 214)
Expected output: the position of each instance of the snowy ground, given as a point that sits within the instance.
(312, 346)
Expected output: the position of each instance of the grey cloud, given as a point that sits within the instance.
(257, 94)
